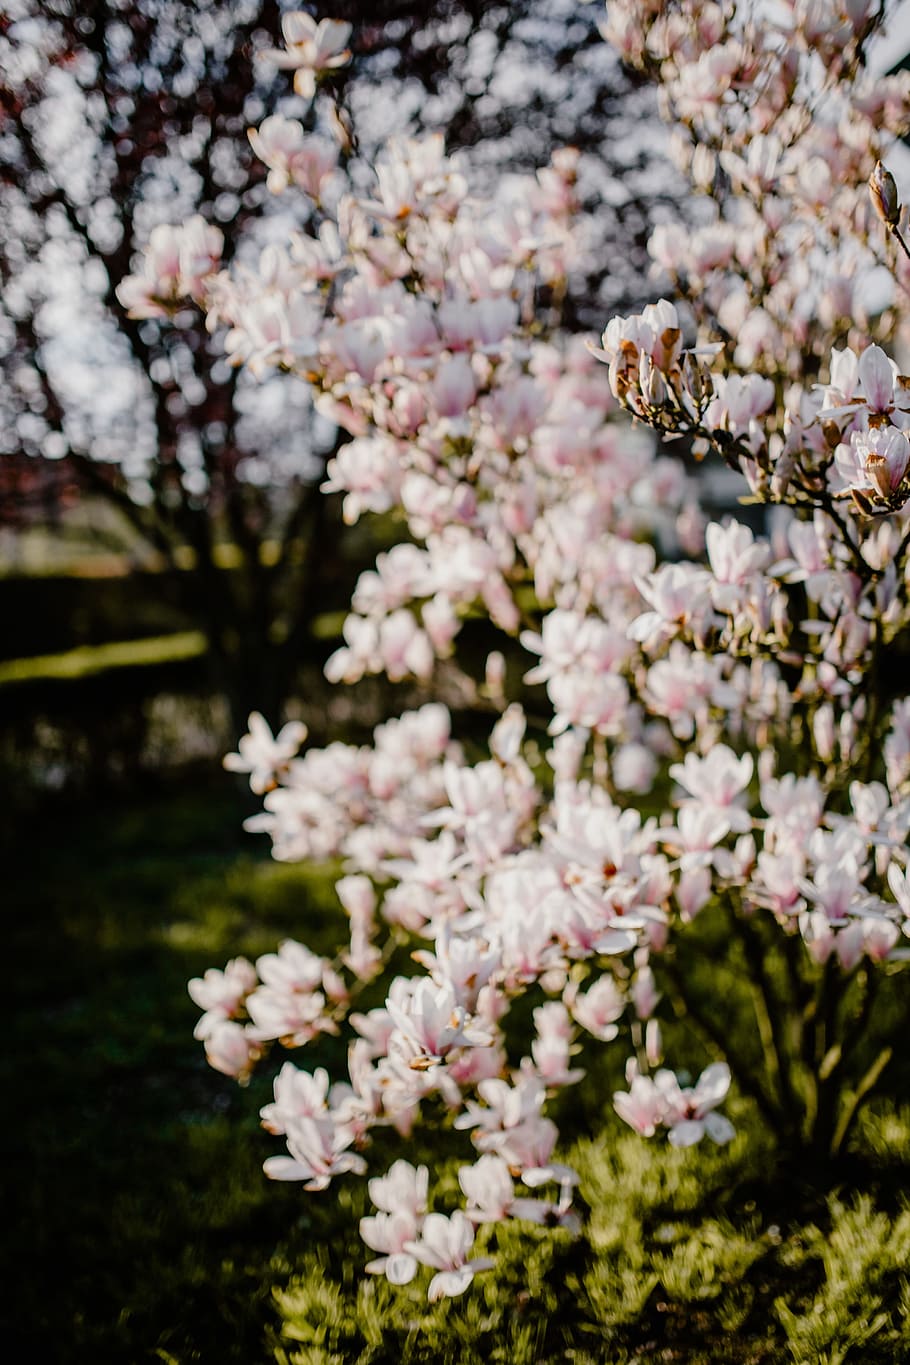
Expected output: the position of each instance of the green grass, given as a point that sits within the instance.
(142, 1228)
(142, 1223)
(692, 1258)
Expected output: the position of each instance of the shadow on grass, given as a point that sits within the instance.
(142, 1225)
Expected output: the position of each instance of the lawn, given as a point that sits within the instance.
(142, 1226)
(143, 1229)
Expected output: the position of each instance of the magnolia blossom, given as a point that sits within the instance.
(491, 1197)
(298, 1094)
(873, 464)
(231, 1048)
(686, 1112)
(870, 381)
(737, 402)
(311, 49)
(178, 265)
(318, 1151)
(222, 994)
(401, 1197)
(263, 755)
(292, 157)
(429, 1022)
(715, 784)
(598, 1009)
(444, 1245)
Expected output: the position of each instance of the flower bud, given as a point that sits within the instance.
(495, 674)
(230, 1049)
(823, 732)
(644, 993)
(704, 167)
(697, 380)
(656, 388)
(341, 128)
(654, 1046)
(884, 195)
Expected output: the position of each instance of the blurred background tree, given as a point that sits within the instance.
(118, 116)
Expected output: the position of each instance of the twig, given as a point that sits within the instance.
(749, 1083)
(851, 1110)
(767, 1013)
(896, 234)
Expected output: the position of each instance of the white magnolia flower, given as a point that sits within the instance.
(311, 49)
(444, 1245)
(263, 755)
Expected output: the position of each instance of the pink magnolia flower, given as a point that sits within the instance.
(222, 994)
(231, 1049)
(877, 376)
(491, 1197)
(403, 1189)
(735, 558)
(263, 756)
(874, 462)
(318, 1149)
(488, 1188)
(598, 1009)
(738, 401)
(552, 1047)
(298, 1094)
(655, 331)
(717, 784)
(391, 1234)
(430, 1022)
(679, 596)
(642, 1106)
(687, 1113)
(178, 264)
(156, 292)
(464, 964)
(690, 1111)
(401, 1197)
(292, 156)
(693, 891)
(367, 470)
(290, 1003)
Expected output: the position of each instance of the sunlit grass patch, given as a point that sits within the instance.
(86, 660)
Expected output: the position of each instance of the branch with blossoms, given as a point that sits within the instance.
(778, 124)
(716, 751)
(413, 313)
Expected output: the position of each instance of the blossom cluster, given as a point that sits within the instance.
(576, 898)
(844, 439)
(413, 313)
(715, 737)
(779, 123)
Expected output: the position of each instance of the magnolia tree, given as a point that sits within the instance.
(720, 743)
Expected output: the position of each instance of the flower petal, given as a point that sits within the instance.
(449, 1283)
